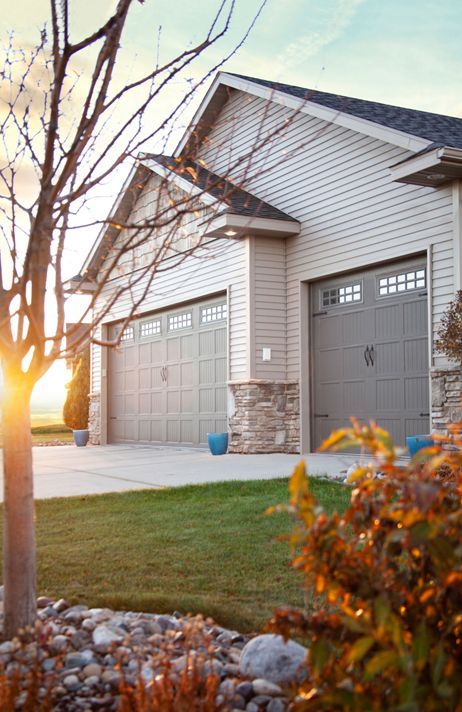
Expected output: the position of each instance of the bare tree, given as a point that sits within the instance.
(63, 130)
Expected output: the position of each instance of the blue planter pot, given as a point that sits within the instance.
(81, 437)
(218, 443)
(417, 442)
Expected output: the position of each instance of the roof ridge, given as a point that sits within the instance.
(269, 83)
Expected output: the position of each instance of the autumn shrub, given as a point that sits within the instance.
(191, 688)
(76, 406)
(449, 340)
(385, 632)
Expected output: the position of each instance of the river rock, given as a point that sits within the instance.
(271, 658)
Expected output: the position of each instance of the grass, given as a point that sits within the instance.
(50, 433)
(200, 549)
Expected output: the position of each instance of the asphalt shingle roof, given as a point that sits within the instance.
(239, 201)
(439, 129)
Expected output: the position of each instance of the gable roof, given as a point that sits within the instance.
(439, 129)
(410, 129)
(235, 199)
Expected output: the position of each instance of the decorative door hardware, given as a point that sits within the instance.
(369, 355)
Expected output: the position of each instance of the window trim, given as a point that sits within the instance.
(397, 273)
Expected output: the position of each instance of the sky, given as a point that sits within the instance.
(403, 52)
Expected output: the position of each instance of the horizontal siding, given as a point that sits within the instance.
(336, 182)
(269, 307)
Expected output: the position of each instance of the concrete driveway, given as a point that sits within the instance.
(67, 471)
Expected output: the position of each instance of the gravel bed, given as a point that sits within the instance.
(84, 654)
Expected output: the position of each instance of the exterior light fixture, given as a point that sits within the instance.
(230, 233)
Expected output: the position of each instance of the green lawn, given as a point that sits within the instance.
(205, 549)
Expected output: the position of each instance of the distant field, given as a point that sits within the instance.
(49, 433)
(51, 417)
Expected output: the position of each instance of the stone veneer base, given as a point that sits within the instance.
(265, 417)
(446, 387)
(94, 419)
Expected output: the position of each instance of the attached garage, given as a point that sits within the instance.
(167, 379)
(370, 350)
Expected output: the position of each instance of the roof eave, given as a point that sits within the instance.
(435, 168)
(233, 226)
(215, 97)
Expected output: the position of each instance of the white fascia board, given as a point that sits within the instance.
(305, 106)
(413, 165)
(78, 286)
(439, 157)
(180, 182)
(199, 111)
(104, 227)
(242, 225)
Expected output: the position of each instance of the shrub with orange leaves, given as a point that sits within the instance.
(386, 630)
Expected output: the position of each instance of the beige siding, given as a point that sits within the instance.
(268, 310)
(336, 182)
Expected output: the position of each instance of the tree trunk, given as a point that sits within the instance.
(18, 519)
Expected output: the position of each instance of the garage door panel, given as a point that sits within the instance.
(415, 355)
(145, 353)
(416, 393)
(389, 394)
(186, 346)
(354, 365)
(156, 377)
(144, 378)
(330, 362)
(187, 401)
(206, 400)
(157, 402)
(144, 401)
(220, 340)
(173, 402)
(327, 329)
(354, 326)
(415, 317)
(131, 356)
(370, 359)
(187, 374)
(162, 385)
(173, 349)
(354, 397)
(206, 343)
(388, 357)
(388, 321)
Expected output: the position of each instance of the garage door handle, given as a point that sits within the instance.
(366, 355)
(424, 415)
(318, 415)
(372, 355)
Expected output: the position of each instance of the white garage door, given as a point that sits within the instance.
(370, 345)
(167, 380)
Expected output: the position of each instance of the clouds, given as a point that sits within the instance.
(327, 22)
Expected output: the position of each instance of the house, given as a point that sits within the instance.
(318, 291)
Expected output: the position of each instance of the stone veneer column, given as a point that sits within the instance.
(446, 397)
(94, 419)
(264, 416)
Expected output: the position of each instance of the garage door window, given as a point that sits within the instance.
(342, 295)
(150, 328)
(128, 334)
(402, 282)
(216, 312)
(180, 321)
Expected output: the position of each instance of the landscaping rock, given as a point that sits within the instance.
(104, 637)
(271, 658)
(265, 687)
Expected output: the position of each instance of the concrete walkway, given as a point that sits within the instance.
(67, 471)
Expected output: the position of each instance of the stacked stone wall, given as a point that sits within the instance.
(94, 419)
(265, 417)
(446, 397)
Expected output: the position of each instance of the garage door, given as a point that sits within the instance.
(371, 350)
(167, 380)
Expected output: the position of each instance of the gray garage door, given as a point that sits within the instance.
(371, 350)
(167, 380)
